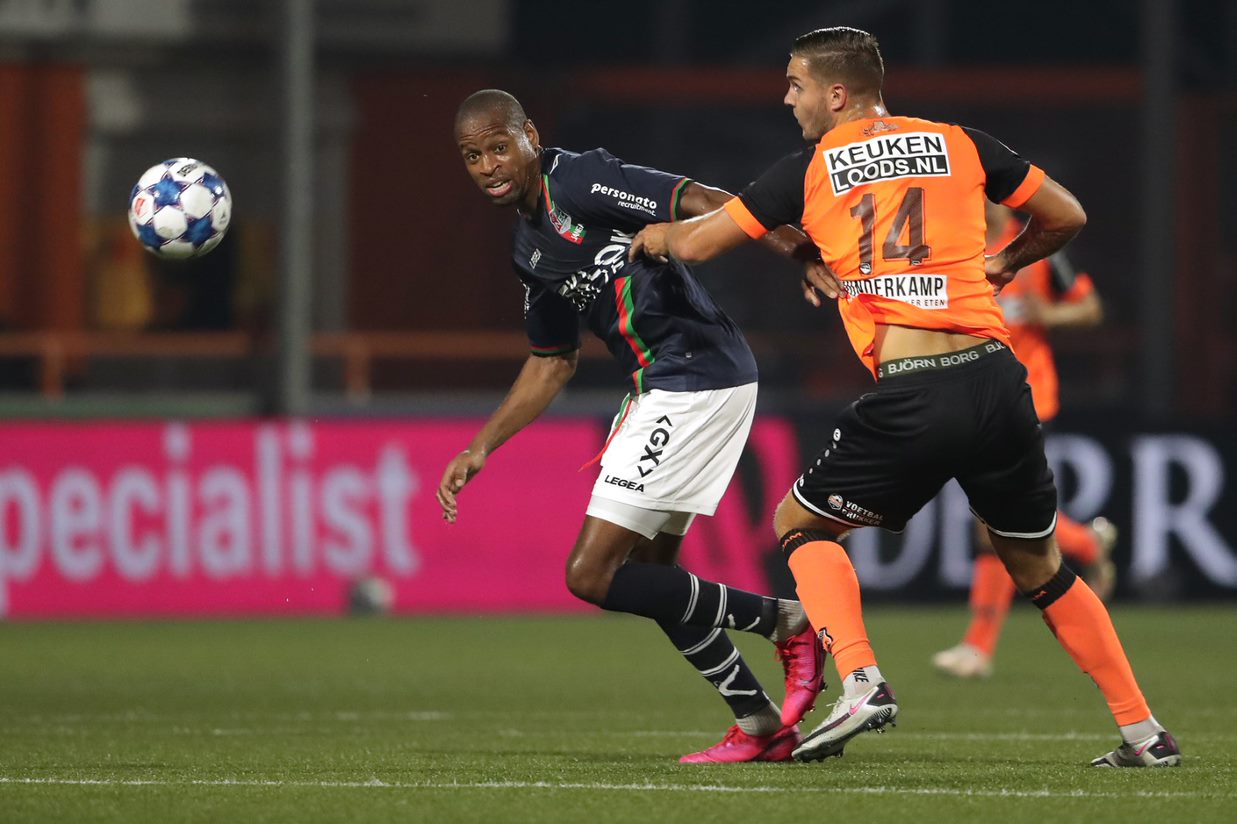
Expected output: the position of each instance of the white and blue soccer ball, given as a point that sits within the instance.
(180, 208)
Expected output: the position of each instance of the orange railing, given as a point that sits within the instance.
(55, 351)
(57, 354)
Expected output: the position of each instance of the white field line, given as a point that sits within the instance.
(374, 783)
(133, 716)
(510, 732)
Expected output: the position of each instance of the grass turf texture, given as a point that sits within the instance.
(576, 719)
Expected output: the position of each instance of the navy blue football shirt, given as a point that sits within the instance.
(655, 318)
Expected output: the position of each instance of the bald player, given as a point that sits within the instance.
(678, 436)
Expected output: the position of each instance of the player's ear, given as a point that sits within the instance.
(533, 137)
(838, 97)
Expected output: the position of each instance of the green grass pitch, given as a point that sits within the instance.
(577, 719)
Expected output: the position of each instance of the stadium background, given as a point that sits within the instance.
(363, 296)
(248, 436)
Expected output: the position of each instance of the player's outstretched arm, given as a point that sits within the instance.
(539, 382)
(691, 241)
(788, 241)
(1056, 217)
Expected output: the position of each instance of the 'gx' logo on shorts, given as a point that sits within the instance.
(655, 446)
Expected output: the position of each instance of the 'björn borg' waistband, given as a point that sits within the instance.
(924, 363)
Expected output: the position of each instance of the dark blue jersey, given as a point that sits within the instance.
(655, 318)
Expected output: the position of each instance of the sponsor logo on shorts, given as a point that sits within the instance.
(655, 447)
(851, 511)
(886, 157)
(920, 291)
(532, 261)
(929, 362)
(634, 486)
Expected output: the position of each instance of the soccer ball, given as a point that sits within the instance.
(180, 208)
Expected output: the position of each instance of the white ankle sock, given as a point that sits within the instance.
(860, 681)
(1141, 731)
(761, 722)
(791, 620)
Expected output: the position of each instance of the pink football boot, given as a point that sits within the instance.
(738, 747)
(803, 659)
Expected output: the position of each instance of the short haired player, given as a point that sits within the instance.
(896, 207)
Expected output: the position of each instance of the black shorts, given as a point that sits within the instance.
(967, 415)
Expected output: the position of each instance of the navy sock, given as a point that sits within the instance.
(714, 656)
(672, 595)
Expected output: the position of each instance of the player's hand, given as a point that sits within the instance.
(998, 272)
(651, 241)
(459, 472)
(819, 279)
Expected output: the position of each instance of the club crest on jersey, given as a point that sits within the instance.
(565, 226)
(886, 157)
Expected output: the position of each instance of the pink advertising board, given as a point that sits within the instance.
(242, 518)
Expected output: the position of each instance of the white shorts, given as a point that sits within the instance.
(647, 522)
(674, 452)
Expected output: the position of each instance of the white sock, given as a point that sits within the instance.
(762, 722)
(791, 620)
(860, 681)
(1137, 733)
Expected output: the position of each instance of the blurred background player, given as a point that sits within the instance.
(1048, 294)
(678, 436)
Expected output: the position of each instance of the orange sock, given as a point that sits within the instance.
(1082, 625)
(992, 591)
(829, 591)
(1077, 540)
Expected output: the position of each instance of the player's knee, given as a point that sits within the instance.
(1029, 562)
(587, 580)
(785, 517)
(661, 550)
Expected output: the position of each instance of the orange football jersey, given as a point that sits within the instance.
(896, 207)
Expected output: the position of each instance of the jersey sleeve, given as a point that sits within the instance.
(1011, 179)
(552, 325)
(775, 198)
(599, 189)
